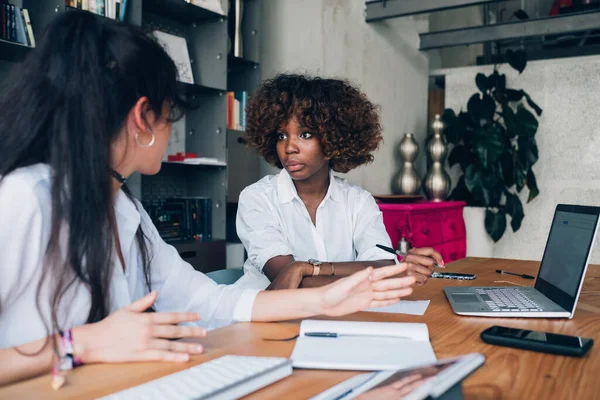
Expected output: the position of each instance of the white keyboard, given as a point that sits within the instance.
(227, 377)
(508, 299)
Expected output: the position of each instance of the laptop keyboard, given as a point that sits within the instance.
(509, 299)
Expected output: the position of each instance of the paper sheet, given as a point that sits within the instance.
(416, 307)
(362, 346)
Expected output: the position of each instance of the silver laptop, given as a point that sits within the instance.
(559, 279)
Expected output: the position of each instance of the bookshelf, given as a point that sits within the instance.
(205, 127)
(243, 74)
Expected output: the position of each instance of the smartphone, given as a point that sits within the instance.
(453, 275)
(537, 341)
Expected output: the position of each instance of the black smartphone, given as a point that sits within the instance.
(453, 275)
(537, 341)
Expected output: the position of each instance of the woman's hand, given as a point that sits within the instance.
(365, 289)
(291, 276)
(130, 334)
(421, 263)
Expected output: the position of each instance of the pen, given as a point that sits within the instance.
(401, 254)
(336, 335)
(515, 274)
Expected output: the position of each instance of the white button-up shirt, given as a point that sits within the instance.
(25, 216)
(273, 221)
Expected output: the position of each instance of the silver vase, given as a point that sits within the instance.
(436, 183)
(406, 180)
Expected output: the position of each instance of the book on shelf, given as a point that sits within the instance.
(15, 25)
(212, 5)
(176, 48)
(236, 110)
(114, 9)
(234, 28)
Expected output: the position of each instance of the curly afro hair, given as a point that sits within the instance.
(344, 120)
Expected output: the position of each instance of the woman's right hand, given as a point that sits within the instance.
(291, 276)
(131, 334)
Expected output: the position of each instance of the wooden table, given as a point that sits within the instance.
(507, 373)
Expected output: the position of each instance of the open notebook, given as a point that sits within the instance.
(361, 346)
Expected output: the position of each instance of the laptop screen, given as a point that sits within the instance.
(566, 255)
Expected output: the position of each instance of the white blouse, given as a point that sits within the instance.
(272, 221)
(25, 217)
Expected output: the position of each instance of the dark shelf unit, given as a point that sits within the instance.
(12, 51)
(241, 62)
(181, 11)
(190, 90)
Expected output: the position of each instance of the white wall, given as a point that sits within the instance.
(568, 138)
(331, 38)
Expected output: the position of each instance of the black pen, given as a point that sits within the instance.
(336, 335)
(515, 274)
(401, 254)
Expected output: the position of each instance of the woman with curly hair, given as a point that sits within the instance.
(305, 227)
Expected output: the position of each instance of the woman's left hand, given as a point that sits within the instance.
(365, 289)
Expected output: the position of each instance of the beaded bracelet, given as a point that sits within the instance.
(65, 359)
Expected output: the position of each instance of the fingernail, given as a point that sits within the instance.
(183, 357)
(199, 349)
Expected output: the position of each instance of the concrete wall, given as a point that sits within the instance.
(331, 38)
(568, 138)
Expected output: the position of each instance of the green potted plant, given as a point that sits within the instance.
(494, 145)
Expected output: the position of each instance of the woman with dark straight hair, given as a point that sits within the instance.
(80, 260)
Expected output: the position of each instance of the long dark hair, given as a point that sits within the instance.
(65, 107)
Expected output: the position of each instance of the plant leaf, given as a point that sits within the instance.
(496, 82)
(474, 184)
(519, 176)
(458, 155)
(513, 95)
(527, 121)
(482, 82)
(528, 152)
(454, 126)
(488, 145)
(495, 224)
(532, 104)
(510, 122)
(517, 59)
(484, 186)
(507, 164)
(501, 85)
(514, 208)
(461, 192)
(488, 107)
(493, 186)
(532, 185)
(472, 177)
(474, 106)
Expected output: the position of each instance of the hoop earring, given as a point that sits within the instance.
(137, 139)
